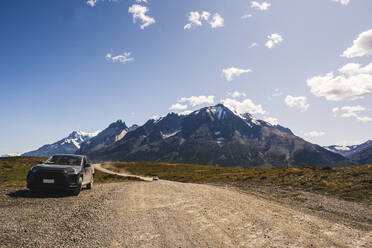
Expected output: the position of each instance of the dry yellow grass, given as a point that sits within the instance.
(13, 171)
(350, 183)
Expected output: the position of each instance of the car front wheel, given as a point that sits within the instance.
(76, 191)
(90, 184)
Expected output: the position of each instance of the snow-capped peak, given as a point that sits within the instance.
(81, 134)
(342, 148)
(78, 137)
(218, 111)
(91, 135)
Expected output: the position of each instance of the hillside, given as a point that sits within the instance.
(362, 153)
(114, 132)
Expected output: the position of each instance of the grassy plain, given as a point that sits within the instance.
(13, 171)
(350, 183)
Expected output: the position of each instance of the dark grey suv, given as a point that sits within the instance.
(62, 172)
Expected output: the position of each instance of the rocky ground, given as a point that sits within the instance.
(171, 214)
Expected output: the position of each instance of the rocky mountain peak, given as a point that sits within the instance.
(119, 124)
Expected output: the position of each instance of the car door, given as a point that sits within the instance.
(86, 171)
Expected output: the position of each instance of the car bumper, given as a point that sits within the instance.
(62, 181)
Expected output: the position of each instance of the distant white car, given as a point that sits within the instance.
(155, 178)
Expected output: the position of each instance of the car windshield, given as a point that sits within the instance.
(64, 160)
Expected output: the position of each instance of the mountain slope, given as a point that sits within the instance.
(68, 145)
(114, 132)
(360, 153)
(217, 136)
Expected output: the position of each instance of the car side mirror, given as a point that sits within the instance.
(87, 165)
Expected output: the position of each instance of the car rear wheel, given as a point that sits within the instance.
(90, 184)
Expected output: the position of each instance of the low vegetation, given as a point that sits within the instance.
(13, 171)
(350, 183)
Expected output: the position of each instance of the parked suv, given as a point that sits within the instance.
(62, 172)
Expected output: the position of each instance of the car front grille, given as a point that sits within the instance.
(58, 176)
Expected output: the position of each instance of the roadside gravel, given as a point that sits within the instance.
(170, 214)
(57, 220)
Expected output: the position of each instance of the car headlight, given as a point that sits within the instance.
(33, 170)
(72, 171)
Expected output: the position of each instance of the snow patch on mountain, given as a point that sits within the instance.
(166, 135)
(218, 111)
(341, 148)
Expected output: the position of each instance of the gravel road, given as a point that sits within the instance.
(100, 168)
(165, 214)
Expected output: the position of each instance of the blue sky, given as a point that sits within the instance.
(64, 65)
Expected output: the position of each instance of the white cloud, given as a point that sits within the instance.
(274, 39)
(314, 134)
(246, 16)
(351, 112)
(351, 69)
(245, 106)
(254, 44)
(205, 15)
(232, 72)
(343, 2)
(197, 100)
(141, 1)
(236, 94)
(196, 19)
(139, 12)
(362, 46)
(178, 106)
(120, 58)
(260, 6)
(364, 118)
(187, 26)
(92, 3)
(273, 121)
(299, 102)
(354, 82)
(277, 92)
(217, 21)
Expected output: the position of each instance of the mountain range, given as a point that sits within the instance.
(360, 153)
(68, 145)
(215, 135)
(212, 135)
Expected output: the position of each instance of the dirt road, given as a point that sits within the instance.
(100, 168)
(165, 214)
